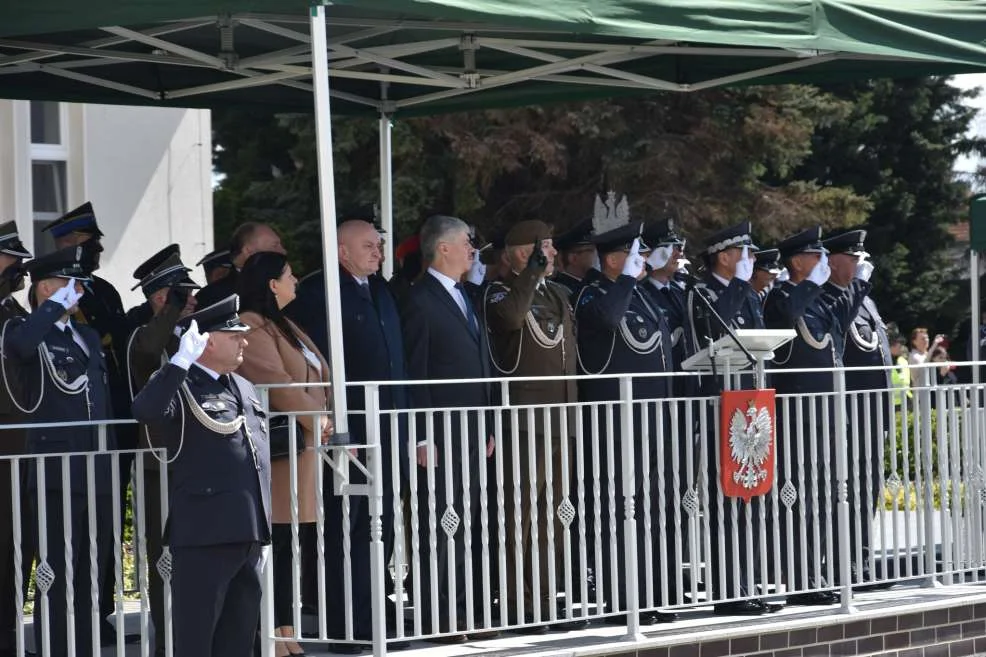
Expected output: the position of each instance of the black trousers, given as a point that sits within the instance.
(56, 603)
(154, 532)
(216, 592)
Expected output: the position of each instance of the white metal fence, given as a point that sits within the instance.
(583, 511)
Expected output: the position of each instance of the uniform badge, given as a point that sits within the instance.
(552, 327)
(498, 297)
(642, 333)
(740, 321)
(62, 374)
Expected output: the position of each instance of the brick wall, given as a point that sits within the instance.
(960, 630)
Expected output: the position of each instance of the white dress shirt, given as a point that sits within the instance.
(75, 335)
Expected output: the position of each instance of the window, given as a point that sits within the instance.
(49, 160)
(46, 120)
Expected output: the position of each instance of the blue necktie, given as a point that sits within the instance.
(470, 315)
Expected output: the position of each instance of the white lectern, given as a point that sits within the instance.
(725, 357)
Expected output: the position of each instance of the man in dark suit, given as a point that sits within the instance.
(163, 279)
(621, 331)
(12, 254)
(821, 322)
(867, 345)
(374, 351)
(63, 379)
(102, 309)
(444, 339)
(215, 431)
(248, 238)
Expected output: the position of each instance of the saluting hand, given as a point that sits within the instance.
(190, 347)
(744, 268)
(67, 296)
(634, 265)
(821, 271)
(864, 269)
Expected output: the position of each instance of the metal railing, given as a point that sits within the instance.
(592, 510)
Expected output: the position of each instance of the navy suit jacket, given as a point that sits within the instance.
(220, 485)
(441, 345)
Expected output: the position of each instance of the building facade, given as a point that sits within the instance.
(147, 172)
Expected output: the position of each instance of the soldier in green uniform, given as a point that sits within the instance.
(163, 279)
(532, 334)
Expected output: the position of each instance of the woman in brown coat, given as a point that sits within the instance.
(278, 352)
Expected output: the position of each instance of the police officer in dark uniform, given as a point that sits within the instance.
(12, 255)
(725, 287)
(62, 373)
(532, 334)
(576, 253)
(163, 279)
(667, 247)
(216, 265)
(867, 345)
(821, 322)
(219, 519)
(766, 268)
(620, 330)
(102, 309)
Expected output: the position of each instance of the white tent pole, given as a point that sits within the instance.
(974, 307)
(327, 202)
(387, 195)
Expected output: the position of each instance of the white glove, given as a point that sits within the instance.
(821, 271)
(744, 268)
(67, 296)
(784, 276)
(864, 269)
(659, 257)
(191, 347)
(634, 264)
(477, 273)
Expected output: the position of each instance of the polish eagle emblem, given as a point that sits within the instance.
(750, 443)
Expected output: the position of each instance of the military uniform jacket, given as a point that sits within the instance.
(867, 345)
(220, 476)
(11, 441)
(102, 309)
(149, 348)
(572, 284)
(621, 331)
(821, 322)
(532, 333)
(72, 387)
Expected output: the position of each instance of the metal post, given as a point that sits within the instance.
(629, 485)
(374, 454)
(387, 194)
(841, 477)
(327, 202)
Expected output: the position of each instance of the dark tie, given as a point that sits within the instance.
(364, 290)
(470, 315)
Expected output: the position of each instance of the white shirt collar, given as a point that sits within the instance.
(720, 279)
(361, 280)
(213, 374)
(448, 283)
(62, 324)
(660, 285)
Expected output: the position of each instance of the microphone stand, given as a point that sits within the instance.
(712, 313)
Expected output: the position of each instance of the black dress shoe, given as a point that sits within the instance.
(745, 608)
(345, 648)
(448, 640)
(873, 586)
(658, 617)
(569, 626)
(815, 598)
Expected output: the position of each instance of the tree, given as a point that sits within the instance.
(898, 148)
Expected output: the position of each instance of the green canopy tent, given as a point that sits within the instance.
(401, 57)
